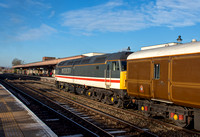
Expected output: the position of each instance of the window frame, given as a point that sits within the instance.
(156, 71)
(123, 65)
(115, 66)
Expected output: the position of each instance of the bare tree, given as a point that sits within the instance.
(17, 62)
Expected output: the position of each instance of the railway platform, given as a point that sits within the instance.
(16, 120)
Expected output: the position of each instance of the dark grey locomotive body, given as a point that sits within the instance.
(97, 76)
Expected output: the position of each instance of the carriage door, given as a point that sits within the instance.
(160, 79)
(108, 75)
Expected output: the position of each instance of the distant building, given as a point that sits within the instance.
(48, 58)
(1, 69)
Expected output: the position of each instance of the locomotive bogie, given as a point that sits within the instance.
(181, 116)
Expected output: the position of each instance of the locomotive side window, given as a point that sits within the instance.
(156, 71)
(115, 66)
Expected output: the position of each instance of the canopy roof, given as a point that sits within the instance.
(47, 63)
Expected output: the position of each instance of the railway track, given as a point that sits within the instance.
(158, 127)
(107, 124)
(59, 123)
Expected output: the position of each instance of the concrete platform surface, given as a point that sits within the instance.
(16, 120)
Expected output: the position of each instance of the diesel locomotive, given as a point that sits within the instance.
(159, 82)
(100, 77)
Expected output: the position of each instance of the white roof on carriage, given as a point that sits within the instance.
(187, 48)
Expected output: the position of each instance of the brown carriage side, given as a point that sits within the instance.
(171, 78)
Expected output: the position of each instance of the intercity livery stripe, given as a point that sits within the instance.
(90, 79)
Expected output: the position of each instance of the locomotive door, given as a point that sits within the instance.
(160, 79)
(108, 75)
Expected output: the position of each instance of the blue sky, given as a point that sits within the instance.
(32, 29)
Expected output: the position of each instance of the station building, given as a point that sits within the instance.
(47, 66)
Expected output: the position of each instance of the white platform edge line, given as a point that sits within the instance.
(43, 125)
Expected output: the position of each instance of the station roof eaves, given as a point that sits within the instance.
(47, 63)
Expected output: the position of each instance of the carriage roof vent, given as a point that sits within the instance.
(194, 40)
(160, 45)
(93, 54)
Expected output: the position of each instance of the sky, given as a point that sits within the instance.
(32, 29)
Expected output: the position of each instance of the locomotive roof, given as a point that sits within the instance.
(96, 59)
(180, 49)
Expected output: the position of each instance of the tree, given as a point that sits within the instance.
(17, 62)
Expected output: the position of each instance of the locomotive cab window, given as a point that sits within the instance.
(156, 71)
(123, 65)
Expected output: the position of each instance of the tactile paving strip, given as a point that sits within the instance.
(9, 124)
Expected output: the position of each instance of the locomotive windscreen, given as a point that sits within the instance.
(123, 65)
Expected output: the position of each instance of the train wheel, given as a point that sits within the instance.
(180, 123)
(98, 96)
(93, 95)
(109, 100)
(66, 89)
(116, 101)
(61, 87)
(82, 91)
(184, 123)
(79, 90)
(89, 93)
(104, 98)
(57, 85)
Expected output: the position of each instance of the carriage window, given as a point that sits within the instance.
(115, 66)
(156, 71)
